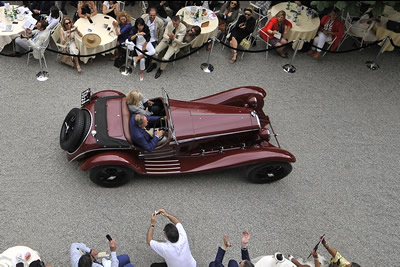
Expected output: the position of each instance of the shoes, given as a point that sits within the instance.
(16, 54)
(284, 55)
(317, 55)
(79, 69)
(158, 74)
(310, 52)
(151, 67)
(141, 79)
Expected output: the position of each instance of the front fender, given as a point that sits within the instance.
(232, 159)
(113, 158)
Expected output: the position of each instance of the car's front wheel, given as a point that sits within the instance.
(268, 172)
(111, 175)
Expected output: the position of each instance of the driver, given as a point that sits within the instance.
(140, 135)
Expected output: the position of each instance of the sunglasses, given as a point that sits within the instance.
(66, 23)
(248, 14)
(234, 4)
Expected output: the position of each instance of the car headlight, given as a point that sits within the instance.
(252, 102)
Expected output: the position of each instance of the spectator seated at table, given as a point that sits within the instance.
(263, 7)
(122, 29)
(331, 27)
(111, 8)
(156, 27)
(160, 6)
(228, 13)
(67, 37)
(140, 35)
(191, 33)
(275, 29)
(32, 40)
(87, 9)
(41, 8)
(243, 28)
(54, 18)
(363, 28)
(140, 105)
(173, 35)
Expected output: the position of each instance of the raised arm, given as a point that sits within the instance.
(150, 232)
(172, 218)
(331, 251)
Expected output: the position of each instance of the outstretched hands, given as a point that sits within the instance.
(245, 239)
(226, 244)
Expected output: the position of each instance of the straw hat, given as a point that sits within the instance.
(91, 40)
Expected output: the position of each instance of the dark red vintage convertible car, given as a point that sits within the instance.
(224, 130)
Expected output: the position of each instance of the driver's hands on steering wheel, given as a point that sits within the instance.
(159, 133)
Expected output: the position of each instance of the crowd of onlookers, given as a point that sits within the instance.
(159, 29)
(175, 251)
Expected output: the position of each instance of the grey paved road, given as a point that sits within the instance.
(339, 118)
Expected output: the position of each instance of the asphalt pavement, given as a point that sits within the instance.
(339, 118)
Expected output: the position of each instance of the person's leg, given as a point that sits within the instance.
(161, 264)
(233, 43)
(170, 52)
(321, 42)
(123, 260)
(21, 45)
(283, 42)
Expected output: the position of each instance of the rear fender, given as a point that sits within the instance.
(249, 97)
(113, 158)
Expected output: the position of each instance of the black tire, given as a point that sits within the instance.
(72, 130)
(111, 175)
(268, 172)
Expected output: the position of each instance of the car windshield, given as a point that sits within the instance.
(171, 124)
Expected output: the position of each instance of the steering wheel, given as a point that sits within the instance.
(163, 127)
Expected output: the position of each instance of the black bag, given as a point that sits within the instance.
(119, 61)
(393, 26)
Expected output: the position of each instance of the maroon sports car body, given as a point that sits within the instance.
(224, 130)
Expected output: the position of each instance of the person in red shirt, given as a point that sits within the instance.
(275, 29)
(331, 27)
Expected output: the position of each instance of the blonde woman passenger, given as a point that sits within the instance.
(138, 104)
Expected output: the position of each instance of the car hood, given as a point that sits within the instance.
(199, 120)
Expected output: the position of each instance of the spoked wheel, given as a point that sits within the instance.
(268, 172)
(111, 175)
(72, 130)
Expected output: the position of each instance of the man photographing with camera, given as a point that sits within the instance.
(83, 256)
(175, 250)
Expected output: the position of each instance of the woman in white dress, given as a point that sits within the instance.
(67, 35)
(141, 37)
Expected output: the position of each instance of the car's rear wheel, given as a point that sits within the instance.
(72, 130)
(111, 175)
(268, 172)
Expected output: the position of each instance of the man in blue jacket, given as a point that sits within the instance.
(142, 137)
